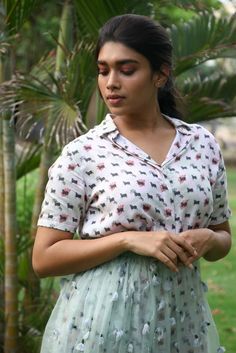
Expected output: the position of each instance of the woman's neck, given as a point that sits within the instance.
(142, 123)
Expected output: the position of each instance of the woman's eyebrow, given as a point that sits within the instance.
(119, 62)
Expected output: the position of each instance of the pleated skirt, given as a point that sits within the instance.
(132, 304)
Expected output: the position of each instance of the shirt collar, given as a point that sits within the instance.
(107, 126)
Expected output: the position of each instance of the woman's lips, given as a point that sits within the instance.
(115, 99)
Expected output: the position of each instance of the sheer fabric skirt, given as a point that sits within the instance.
(132, 304)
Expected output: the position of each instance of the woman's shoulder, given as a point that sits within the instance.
(199, 131)
(85, 142)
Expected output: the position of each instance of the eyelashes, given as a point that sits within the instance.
(123, 72)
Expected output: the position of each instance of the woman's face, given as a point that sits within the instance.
(125, 80)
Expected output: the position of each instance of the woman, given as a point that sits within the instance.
(147, 194)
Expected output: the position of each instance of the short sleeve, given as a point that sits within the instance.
(221, 211)
(64, 200)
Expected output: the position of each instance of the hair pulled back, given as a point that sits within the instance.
(150, 39)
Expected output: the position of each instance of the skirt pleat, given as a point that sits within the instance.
(132, 304)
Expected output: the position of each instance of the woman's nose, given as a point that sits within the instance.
(113, 80)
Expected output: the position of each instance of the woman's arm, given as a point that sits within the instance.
(55, 253)
(212, 243)
(220, 242)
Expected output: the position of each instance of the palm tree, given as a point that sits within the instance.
(48, 149)
(205, 37)
(15, 14)
(11, 283)
(2, 218)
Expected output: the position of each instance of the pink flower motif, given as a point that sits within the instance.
(87, 147)
(168, 212)
(141, 182)
(65, 192)
(182, 178)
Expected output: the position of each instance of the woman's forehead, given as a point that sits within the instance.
(117, 52)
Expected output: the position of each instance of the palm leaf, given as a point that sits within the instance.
(81, 75)
(210, 97)
(28, 158)
(189, 4)
(203, 38)
(94, 13)
(16, 12)
(31, 99)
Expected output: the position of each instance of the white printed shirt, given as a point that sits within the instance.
(102, 184)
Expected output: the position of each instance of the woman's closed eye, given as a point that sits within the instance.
(103, 72)
(127, 71)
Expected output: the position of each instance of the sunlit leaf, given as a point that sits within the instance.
(203, 38)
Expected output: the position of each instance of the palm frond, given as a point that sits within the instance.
(80, 71)
(189, 4)
(27, 158)
(16, 12)
(94, 13)
(203, 38)
(210, 97)
(32, 98)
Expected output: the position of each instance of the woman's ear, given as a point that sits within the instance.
(161, 76)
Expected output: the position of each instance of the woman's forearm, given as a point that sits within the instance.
(220, 245)
(69, 256)
(55, 253)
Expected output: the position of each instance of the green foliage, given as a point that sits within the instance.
(203, 38)
(36, 96)
(28, 158)
(170, 12)
(190, 4)
(206, 97)
(16, 12)
(93, 14)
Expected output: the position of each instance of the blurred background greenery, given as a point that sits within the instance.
(48, 96)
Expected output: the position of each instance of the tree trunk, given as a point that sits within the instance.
(47, 153)
(2, 220)
(32, 291)
(11, 283)
(64, 37)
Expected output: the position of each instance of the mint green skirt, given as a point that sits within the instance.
(132, 304)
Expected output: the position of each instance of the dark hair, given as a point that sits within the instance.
(150, 39)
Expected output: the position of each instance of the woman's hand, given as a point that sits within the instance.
(199, 239)
(164, 246)
(212, 243)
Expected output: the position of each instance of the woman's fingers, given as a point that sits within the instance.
(171, 255)
(166, 260)
(164, 246)
(177, 248)
(184, 244)
(181, 255)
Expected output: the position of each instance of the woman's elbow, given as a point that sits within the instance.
(38, 264)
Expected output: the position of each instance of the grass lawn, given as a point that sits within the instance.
(220, 277)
